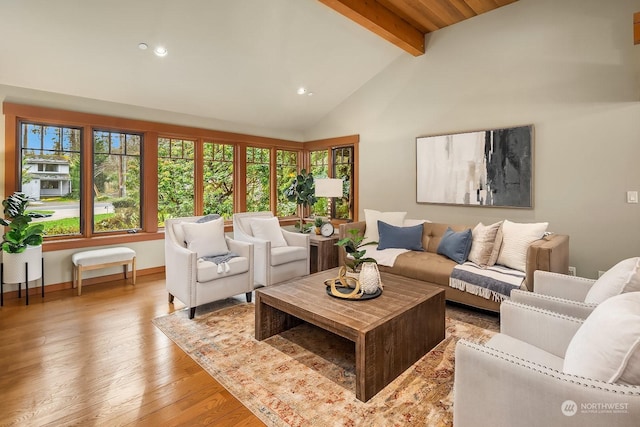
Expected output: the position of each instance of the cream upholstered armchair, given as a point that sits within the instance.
(226, 270)
(279, 254)
(579, 296)
(548, 369)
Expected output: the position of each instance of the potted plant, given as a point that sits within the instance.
(22, 243)
(352, 245)
(302, 192)
(318, 222)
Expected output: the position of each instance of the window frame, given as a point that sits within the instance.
(150, 131)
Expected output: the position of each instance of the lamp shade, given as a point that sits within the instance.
(328, 187)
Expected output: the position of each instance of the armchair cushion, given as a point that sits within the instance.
(622, 277)
(524, 350)
(607, 346)
(207, 238)
(285, 254)
(207, 271)
(268, 229)
(516, 239)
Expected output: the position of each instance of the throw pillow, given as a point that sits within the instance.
(400, 237)
(455, 246)
(208, 218)
(497, 245)
(619, 279)
(207, 238)
(484, 237)
(516, 239)
(607, 345)
(371, 218)
(268, 229)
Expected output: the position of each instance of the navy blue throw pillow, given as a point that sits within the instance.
(400, 237)
(455, 246)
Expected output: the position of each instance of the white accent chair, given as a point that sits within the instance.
(520, 377)
(273, 264)
(579, 296)
(196, 282)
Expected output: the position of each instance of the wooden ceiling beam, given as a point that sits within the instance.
(636, 28)
(380, 20)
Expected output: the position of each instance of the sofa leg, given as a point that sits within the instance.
(170, 299)
(248, 294)
(192, 312)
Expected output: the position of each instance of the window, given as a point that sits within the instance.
(319, 168)
(119, 179)
(258, 179)
(286, 170)
(176, 193)
(45, 149)
(218, 179)
(116, 181)
(343, 169)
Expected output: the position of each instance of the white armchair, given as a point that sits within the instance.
(195, 281)
(579, 296)
(279, 254)
(538, 370)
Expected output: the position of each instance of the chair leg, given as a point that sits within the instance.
(248, 294)
(192, 312)
(170, 298)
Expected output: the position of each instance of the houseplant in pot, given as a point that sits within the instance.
(22, 242)
(353, 246)
(302, 192)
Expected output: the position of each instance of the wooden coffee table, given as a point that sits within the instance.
(390, 332)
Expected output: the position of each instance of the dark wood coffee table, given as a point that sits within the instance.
(390, 332)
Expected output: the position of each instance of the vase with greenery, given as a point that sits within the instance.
(22, 243)
(353, 246)
(318, 222)
(302, 192)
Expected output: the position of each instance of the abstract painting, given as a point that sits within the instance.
(485, 168)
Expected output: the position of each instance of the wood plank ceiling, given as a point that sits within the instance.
(405, 22)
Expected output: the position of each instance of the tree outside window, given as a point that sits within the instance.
(258, 179)
(287, 169)
(218, 179)
(176, 194)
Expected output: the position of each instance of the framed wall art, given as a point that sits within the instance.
(486, 168)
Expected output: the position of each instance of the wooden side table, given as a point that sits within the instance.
(324, 252)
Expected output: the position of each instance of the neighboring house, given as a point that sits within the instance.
(46, 177)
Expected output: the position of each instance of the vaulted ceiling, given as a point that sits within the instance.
(239, 61)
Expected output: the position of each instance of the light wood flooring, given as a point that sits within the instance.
(98, 360)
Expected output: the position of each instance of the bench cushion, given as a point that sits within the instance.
(103, 256)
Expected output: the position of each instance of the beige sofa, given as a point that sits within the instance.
(549, 254)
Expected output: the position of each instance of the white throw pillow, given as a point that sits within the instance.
(484, 237)
(371, 218)
(516, 238)
(607, 345)
(268, 229)
(619, 279)
(207, 238)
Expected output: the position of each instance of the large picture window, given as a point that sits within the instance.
(116, 181)
(286, 170)
(218, 179)
(176, 193)
(258, 179)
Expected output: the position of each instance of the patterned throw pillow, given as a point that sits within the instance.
(484, 237)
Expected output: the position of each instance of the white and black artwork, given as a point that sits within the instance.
(486, 168)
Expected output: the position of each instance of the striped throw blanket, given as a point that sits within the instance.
(495, 282)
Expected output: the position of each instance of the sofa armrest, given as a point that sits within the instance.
(493, 388)
(551, 253)
(567, 307)
(562, 285)
(544, 329)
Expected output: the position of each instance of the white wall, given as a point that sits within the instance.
(149, 254)
(569, 67)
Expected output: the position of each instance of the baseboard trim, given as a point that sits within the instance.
(35, 289)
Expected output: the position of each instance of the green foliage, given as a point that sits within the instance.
(302, 189)
(21, 234)
(352, 245)
(318, 222)
(123, 203)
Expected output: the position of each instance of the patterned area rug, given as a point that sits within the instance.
(305, 376)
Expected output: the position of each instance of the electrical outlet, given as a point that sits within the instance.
(600, 273)
(572, 270)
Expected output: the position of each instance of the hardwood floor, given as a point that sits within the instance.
(98, 360)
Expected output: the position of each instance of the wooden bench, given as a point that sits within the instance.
(102, 258)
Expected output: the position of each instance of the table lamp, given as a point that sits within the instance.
(328, 187)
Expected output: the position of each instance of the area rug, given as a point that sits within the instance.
(306, 376)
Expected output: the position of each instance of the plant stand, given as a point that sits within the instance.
(26, 283)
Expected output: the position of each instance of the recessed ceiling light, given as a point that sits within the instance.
(310, 94)
(302, 91)
(160, 51)
(142, 46)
